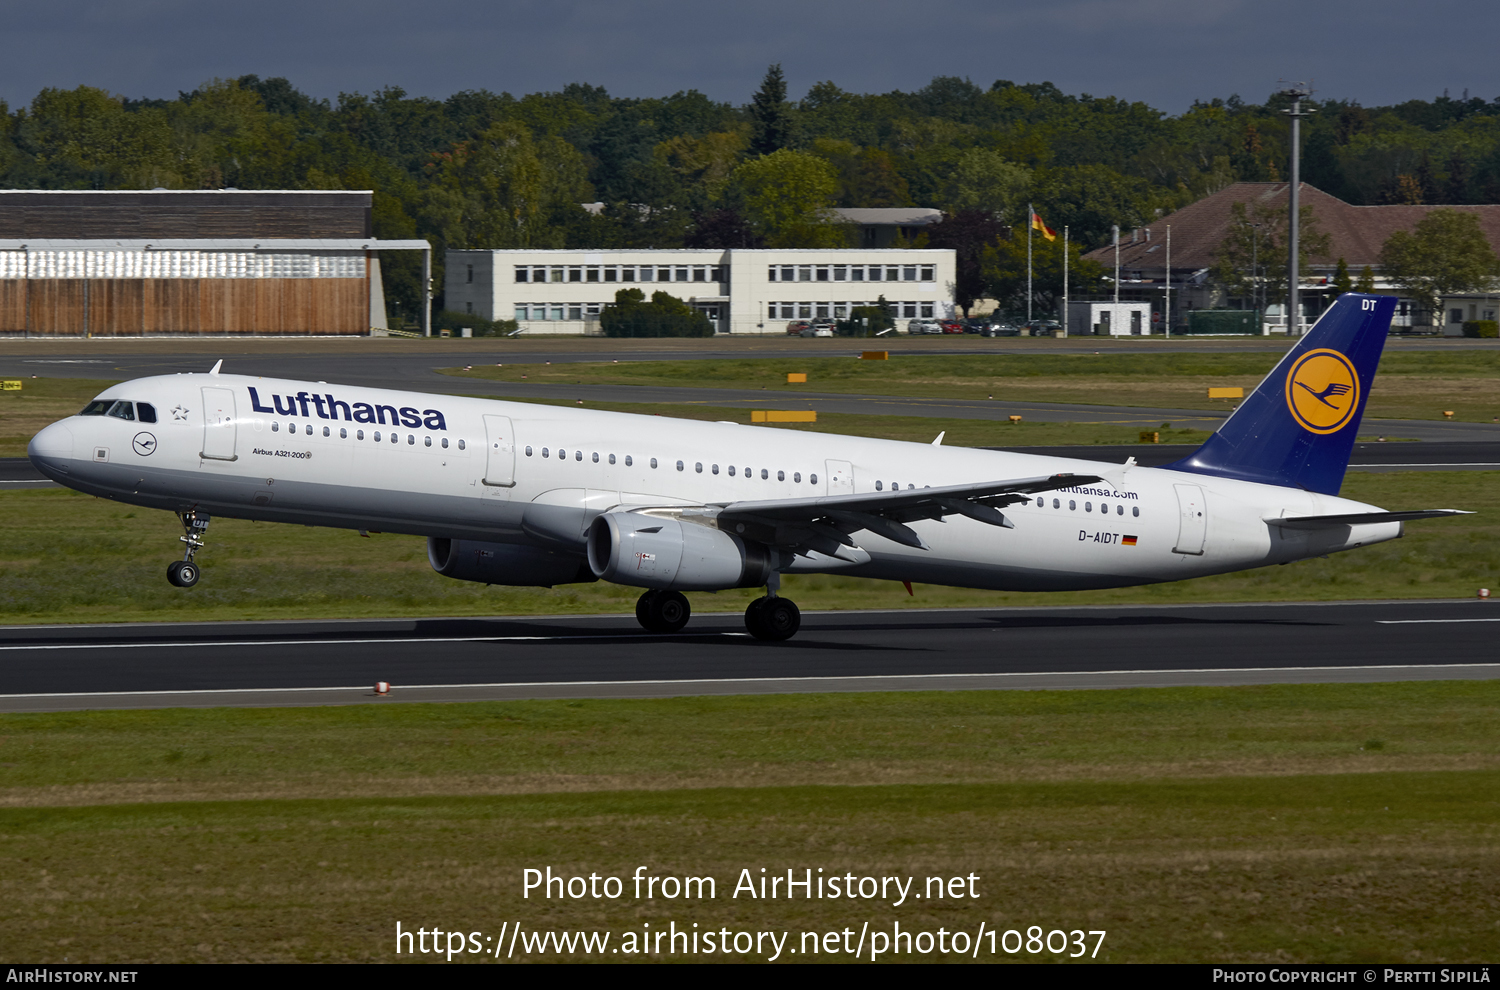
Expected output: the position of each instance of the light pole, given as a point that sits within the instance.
(1254, 263)
(1297, 93)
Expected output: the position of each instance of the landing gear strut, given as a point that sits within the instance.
(663, 611)
(184, 573)
(772, 617)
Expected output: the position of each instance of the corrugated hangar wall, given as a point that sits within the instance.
(207, 279)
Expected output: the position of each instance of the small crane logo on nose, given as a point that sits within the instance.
(144, 444)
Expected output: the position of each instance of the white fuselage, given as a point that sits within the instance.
(509, 472)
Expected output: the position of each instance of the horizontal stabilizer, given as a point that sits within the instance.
(1361, 518)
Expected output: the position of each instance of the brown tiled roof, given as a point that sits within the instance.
(1356, 233)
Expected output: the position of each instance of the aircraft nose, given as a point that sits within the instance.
(52, 447)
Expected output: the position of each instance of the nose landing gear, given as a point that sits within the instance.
(184, 573)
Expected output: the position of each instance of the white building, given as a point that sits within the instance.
(1109, 319)
(741, 291)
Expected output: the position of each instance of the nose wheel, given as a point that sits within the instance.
(184, 573)
(663, 611)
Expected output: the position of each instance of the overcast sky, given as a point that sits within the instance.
(1164, 52)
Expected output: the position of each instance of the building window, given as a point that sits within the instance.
(857, 273)
(523, 274)
(522, 311)
(700, 274)
(927, 310)
(804, 273)
(591, 311)
(788, 273)
(575, 274)
(804, 310)
(840, 273)
(627, 274)
(718, 274)
(682, 274)
(822, 273)
(929, 273)
(773, 272)
(875, 272)
(611, 274)
(557, 311)
(909, 273)
(591, 274)
(909, 310)
(841, 310)
(1455, 316)
(469, 308)
(575, 311)
(470, 277)
(557, 275)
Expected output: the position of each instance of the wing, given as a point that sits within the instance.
(824, 523)
(1358, 518)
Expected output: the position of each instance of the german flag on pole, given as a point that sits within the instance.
(1046, 231)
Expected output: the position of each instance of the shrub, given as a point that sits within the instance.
(664, 316)
(454, 322)
(1481, 328)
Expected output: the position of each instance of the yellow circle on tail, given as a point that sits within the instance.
(1322, 390)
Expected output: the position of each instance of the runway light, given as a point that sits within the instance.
(1447, 413)
(1484, 592)
(383, 688)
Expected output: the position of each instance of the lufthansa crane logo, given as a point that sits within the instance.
(1322, 391)
(144, 444)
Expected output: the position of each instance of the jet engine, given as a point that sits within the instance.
(662, 553)
(505, 563)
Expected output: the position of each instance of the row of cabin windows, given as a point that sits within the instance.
(1135, 510)
(411, 438)
(143, 412)
(765, 473)
(853, 273)
(619, 273)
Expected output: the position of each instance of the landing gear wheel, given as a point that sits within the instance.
(663, 611)
(773, 619)
(182, 573)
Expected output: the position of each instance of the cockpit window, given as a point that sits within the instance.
(123, 410)
(145, 412)
(97, 408)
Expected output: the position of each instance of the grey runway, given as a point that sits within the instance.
(454, 659)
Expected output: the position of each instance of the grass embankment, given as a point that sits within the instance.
(73, 558)
(1413, 385)
(1291, 823)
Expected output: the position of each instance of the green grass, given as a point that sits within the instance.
(73, 558)
(1191, 824)
(1411, 385)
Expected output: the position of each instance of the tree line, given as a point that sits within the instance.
(481, 169)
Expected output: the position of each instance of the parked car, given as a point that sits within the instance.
(1002, 330)
(1043, 328)
(823, 328)
(923, 326)
(795, 328)
(951, 326)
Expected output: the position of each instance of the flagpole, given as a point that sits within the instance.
(1117, 266)
(1030, 223)
(1167, 316)
(1064, 320)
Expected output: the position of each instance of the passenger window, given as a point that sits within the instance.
(1072, 505)
(629, 460)
(359, 434)
(596, 457)
(797, 477)
(679, 465)
(97, 408)
(611, 458)
(145, 412)
(461, 445)
(812, 479)
(1088, 507)
(123, 410)
(780, 475)
(715, 469)
(343, 434)
(427, 441)
(395, 438)
(544, 451)
(731, 470)
(577, 455)
(1135, 510)
(1056, 504)
(445, 445)
(653, 462)
(275, 426)
(377, 436)
(1119, 510)
(327, 431)
(879, 486)
(698, 467)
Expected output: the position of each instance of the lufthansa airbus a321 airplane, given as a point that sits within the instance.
(519, 494)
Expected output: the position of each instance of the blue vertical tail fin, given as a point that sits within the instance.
(1297, 428)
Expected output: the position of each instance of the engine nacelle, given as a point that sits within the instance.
(654, 552)
(505, 563)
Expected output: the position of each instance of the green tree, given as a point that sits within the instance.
(1252, 255)
(770, 114)
(1366, 283)
(664, 316)
(1003, 269)
(787, 196)
(1446, 252)
(984, 180)
(1342, 281)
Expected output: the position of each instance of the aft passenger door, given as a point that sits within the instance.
(840, 478)
(500, 454)
(218, 425)
(1193, 520)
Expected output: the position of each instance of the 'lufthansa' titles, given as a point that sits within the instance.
(327, 407)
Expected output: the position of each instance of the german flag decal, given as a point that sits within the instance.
(1129, 541)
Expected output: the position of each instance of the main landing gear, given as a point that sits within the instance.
(663, 611)
(772, 617)
(184, 573)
